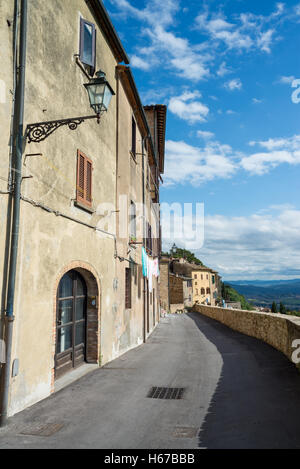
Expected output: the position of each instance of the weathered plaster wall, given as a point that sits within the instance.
(49, 243)
(129, 188)
(277, 330)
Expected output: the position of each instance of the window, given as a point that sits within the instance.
(202, 291)
(128, 288)
(196, 283)
(149, 240)
(133, 138)
(213, 280)
(84, 180)
(195, 276)
(132, 221)
(208, 291)
(88, 44)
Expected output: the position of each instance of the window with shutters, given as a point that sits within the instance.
(128, 288)
(84, 180)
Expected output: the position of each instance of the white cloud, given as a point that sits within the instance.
(279, 151)
(246, 32)
(286, 80)
(261, 163)
(290, 143)
(165, 47)
(234, 84)
(205, 134)
(264, 40)
(188, 108)
(223, 70)
(137, 62)
(182, 56)
(257, 101)
(195, 165)
(262, 245)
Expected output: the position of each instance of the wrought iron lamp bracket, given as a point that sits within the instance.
(40, 131)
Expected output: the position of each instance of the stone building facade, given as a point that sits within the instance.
(80, 296)
(184, 284)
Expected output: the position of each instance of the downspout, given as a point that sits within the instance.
(17, 180)
(144, 232)
(11, 149)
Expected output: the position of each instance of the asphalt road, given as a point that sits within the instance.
(239, 393)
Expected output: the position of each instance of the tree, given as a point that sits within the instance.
(274, 308)
(178, 253)
(282, 309)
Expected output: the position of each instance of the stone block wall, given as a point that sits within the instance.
(277, 330)
(176, 290)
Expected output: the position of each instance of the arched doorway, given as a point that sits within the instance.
(71, 323)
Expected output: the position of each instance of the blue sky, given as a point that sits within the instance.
(226, 70)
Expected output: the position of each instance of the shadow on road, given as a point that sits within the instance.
(257, 402)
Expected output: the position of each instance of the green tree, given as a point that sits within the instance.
(282, 309)
(274, 308)
(178, 253)
(230, 294)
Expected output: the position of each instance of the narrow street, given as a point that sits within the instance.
(239, 393)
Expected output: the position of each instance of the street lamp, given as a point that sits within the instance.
(100, 94)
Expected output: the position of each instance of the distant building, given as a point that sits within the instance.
(183, 284)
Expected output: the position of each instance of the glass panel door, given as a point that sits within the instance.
(71, 323)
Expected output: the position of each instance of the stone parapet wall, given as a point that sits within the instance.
(279, 331)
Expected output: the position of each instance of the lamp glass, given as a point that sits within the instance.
(96, 93)
(107, 97)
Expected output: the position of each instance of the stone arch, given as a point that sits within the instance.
(92, 281)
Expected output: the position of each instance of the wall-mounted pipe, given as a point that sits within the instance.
(18, 129)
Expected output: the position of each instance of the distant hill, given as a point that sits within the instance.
(263, 293)
(262, 283)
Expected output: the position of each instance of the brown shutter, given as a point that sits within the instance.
(89, 182)
(84, 179)
(128, 288)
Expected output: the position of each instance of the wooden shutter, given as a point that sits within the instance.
(84, 179)
(128, 288)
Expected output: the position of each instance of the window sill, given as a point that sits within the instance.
(87, 209)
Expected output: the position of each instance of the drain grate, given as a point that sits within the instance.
(166, 393)
(43, 430)
(185, 432)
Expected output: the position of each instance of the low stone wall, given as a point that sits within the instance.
(279, 331)
(177, 307)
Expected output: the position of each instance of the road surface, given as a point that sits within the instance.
(238, 393)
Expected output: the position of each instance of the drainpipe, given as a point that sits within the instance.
(11, 144)
(144, 232)
(17, 180)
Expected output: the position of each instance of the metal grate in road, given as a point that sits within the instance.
(166, 393)
(43, 430)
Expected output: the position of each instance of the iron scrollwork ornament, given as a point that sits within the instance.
(40, 131)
